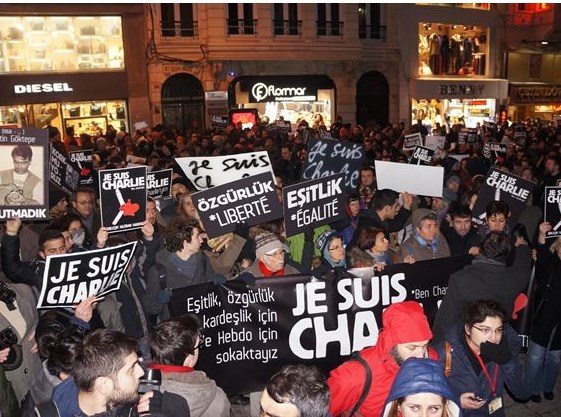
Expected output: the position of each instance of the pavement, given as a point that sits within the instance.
(512, 409)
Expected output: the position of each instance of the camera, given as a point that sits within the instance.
(7, 295)
(9, 339)
(150, 381)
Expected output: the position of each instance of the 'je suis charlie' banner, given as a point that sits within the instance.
(330, 157)
(311, 203)
(250, 200)
(84, 160)
(158, 183)
(71, 278)
(209, 171)
(123, 198)
(254, 330)
(552, 210)
(503, 186)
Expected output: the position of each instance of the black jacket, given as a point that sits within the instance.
(30, 273)
(371, 218)
(459, 245)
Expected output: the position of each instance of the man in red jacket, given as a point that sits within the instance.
(405, 333)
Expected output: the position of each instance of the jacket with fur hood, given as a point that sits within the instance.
(402, 323)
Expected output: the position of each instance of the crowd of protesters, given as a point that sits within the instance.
(460, 365)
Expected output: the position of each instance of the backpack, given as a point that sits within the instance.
(367, 383)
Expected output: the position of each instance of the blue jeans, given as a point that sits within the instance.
(542, 367)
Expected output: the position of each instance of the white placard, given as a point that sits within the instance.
(415, 179)
(435, 142)
(209, 171)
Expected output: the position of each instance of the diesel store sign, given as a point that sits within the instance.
(44, 88)
(535, 93)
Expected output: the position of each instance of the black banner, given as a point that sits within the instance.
(64, 172)
(312, 203)
(329, 157)
(84, 160)
(421, 156)
(73, 277)
(251, 200)
(467, 135)
(520, 138)
(158, 183)
(254, 331)
(24, 177)
(552, 210)
(411, 141)
(503, 186)
(219, 121)
(283, 125)
(123, 198)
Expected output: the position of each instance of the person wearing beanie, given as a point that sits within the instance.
(405, 333)
(425, 243)
(451, 187)
(270, 259)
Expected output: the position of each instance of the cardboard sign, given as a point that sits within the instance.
(73, 277)
(24, 187)
(495, 152)
(209, 171)
(415, 179)
(472, 135)
(63, 172)
(254, 330)
(123, 198)
(284, 125)
(84, 160)
(158, 183)
(313, 203)
(250, 200)
(520, 138)
(421, 156)
(552, 210)
(503, 186)
(435, 142)
(411, 141)
(330, 157)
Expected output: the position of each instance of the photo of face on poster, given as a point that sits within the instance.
(21, 182)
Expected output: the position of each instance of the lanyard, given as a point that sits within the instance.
(493, 383)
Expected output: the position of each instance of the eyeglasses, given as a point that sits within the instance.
(85, 203)
(277, 254)
(201, 342)
(487, 330)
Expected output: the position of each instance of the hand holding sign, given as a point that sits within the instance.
(84, 310)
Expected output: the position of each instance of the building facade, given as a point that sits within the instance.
(73, 66)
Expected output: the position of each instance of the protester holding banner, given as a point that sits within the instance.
(483, 342)
(488, 277)
(425, 243)
(405, 333)
(544, 350)
(179, 264)
(175, 346)
(420, 388)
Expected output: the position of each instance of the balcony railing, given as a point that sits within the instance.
(179, 29)
(287, 27)
(329, 28)
(372, 32)
(242, 26)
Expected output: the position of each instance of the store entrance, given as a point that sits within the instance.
(372, 98)
(183, 103)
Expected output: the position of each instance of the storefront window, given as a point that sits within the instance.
(60, 43)
(482, 6)
(457, 50)
(450, 112)
(93, 117)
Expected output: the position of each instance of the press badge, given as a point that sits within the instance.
(495, 405)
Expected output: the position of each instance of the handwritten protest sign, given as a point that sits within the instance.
(209, 171)
(503, 186)
(123, 198)
(24, 177)
(71, 278)
(253, 331)
(84, 160)
(250, 200)
(312, 203)
(329, 157)
(421, 156)
(552, 210)
(158, 183)
(418, 179)
(411, 141)
(63, 172)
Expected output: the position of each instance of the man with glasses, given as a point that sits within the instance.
(270, 257)
(480, 356)
(175, 345)
(83, 204)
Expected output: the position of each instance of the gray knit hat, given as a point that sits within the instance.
(266, 244)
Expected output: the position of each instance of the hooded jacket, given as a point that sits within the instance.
(422, 376)
(402, 323)
(421, 252)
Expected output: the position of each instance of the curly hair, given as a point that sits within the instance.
(178, 231)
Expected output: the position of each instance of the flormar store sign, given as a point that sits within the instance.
(275, 88)
(262, 92)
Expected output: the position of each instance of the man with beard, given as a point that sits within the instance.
(405, 334)
(105, 382)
